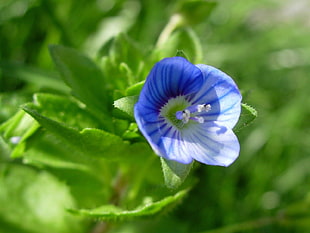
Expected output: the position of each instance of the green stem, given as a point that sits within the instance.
(175, 21)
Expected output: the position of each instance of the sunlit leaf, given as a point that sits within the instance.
(91, 142)
(248, 114)
(146, 209)
(65, 109)
(83, 76)
(126, 105)
(174, 172)
(135, 89)
(17, 130)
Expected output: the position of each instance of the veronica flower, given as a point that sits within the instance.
(187, 112)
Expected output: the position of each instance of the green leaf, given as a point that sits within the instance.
(10, 102)
(35, 201)
(32, 75)
(90, 142)
(146, 209)
(83, 76)
(125, 50)
(89, 190)
(125, 63)
(126, 105)
(184, 39)
(195, 11)
(174, 172)
(132, 132)
(248, 114)
(135, 89)
(5, 150)
(16, 131)
(44, 149)
(65, 109)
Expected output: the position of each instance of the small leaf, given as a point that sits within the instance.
(174, 172)
(83, 76)
(146, 209)
(248, 114)
(195, 11)
(126, 105)
(180, 53)
(135, 89)
(125, 50)
(17, 130)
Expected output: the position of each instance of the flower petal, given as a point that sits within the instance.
(164, 139)
(211, 144)
(169, 78)
(172, 147)
(221, 92)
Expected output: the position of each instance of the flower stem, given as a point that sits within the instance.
(175, 21)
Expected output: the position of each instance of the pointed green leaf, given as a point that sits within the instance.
(135, 89)
(146, 209)
(65, 109)
(17, 130)
(91, 142)
(174, 172)
(126, 105)
(248, 114)
(83, 76)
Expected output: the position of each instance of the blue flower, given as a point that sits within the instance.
(187, 112)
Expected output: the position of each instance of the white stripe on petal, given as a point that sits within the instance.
(211, 144)
(221, 92)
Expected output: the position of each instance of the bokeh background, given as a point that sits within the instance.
(264, 45)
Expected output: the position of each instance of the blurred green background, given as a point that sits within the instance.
(264, 45)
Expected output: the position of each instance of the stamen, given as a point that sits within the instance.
(191, 113)
(198, 119)
(203, 107)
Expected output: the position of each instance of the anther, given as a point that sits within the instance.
(191, 113)
(198, 119)
(203, 107)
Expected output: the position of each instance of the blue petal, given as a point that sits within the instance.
(165, 139)
(221, 92)
(211, 144)
(172, 146)
(169, 78)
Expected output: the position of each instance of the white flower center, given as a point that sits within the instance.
(191, 112)
(179, 112)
